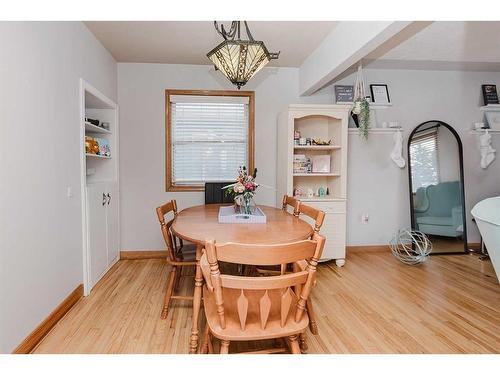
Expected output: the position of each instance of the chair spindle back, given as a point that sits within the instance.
(293, 288)
(169, 207)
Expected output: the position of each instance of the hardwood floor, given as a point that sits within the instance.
(450, 304)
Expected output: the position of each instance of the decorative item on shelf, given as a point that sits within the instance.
(308, 141)
(239, 59)
(480, 125)
(344, 94)
(410, 247)
(92, 121)
(104, 148)
(105, 125)
(91, 146)
(490, 95)
(243, 191)
(361, 106)
(321, 192)
(493, 119)
(319, 142)
(297, 192)
(380, 93)
(321, 164)
(302, 141)
(487, 152)
(310, 193)
(296, 137)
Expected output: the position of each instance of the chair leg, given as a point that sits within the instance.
(224, 347)
(177, 279)
(210, 345)
(294, 344)
(313, 325)
(168, 293)
(303, 343)
(206, 338)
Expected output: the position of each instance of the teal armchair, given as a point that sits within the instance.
(439, 209)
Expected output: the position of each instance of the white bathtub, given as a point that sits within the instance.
(487, 215)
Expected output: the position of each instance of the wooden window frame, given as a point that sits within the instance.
(170, 186)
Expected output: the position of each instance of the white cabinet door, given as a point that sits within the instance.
(97, 237)
(112, 208)
(334, 229)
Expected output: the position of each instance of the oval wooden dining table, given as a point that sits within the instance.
(200, 223)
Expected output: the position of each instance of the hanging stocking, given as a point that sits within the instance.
(487, 152)
(397, 151)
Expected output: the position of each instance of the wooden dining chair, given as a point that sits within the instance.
(319, 217)
(291, 202)
(215, 194)
(179, 255)
(248, 308)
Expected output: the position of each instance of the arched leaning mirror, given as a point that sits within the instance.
(436, 176)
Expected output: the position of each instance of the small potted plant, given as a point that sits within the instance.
(243, 190)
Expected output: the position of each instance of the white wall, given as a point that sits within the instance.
(41, 241)
(376, 187)
(142, 138)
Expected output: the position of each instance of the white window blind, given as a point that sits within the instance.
(424, 160)
(209, 138)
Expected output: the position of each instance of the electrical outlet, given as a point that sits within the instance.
(365, 218)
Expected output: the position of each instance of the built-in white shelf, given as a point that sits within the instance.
(316, 147)
(316, 174)
(376, 130)
(91, 128)
(372, 105)
(98, 156)
(481, 131)
(490, 108)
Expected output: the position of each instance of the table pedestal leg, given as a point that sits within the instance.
(198, 283)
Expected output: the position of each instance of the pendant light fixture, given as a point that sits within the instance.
(239, 59)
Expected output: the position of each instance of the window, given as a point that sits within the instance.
(424, 160)
(209, 135)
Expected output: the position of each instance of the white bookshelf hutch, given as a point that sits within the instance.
(327, 122)
(99, 187)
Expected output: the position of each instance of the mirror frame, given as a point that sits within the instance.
(461, 161)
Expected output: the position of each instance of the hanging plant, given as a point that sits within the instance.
(361, 106)
(364, 119)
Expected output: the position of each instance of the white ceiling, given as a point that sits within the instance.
(176, 42)
(445, 45)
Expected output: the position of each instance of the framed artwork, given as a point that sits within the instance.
(380, 93)
(321, 164)
(493, 120)
(344, 94)
(490, 94)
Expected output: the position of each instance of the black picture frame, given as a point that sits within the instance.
(374, 100)
(490, 95)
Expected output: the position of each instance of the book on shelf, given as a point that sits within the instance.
(301, 164)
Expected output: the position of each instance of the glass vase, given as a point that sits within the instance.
(244, 204)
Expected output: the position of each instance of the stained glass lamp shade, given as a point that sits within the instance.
(238, 59)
